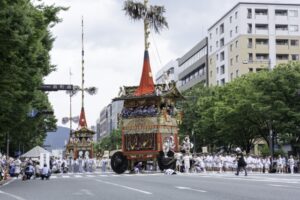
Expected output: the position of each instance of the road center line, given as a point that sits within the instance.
(12, 195)
(188, 188)
(126, 187)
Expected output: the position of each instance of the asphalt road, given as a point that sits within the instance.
(155, 186)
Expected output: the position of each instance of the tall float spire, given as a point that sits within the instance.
(82, 119)
(153, 17)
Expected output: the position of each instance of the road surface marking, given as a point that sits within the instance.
(65, 176)
(285, 186)
(188, 188)
(84, 192)
(12, 195)
(77, 176)
(90, 176)
(126, 187)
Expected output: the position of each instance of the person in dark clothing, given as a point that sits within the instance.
(240, 161)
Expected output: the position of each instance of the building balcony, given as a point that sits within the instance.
(261, 31)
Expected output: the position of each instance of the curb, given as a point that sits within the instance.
(4, 182)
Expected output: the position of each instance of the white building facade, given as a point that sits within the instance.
(252, 37)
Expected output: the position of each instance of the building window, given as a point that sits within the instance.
(282, 42)
(250, 57)
(250, 44)
(262, 56)
(216, 31)
(222, 69)
(236, 44)
(294, 42)
(237, 73)
(210, 35)
(217, 56)
(223, 81)
(281, 27)
(210, 48)
(282, 56)
(231, 61)
(210, 61)
(249, 14)
(230, 19)
(236, 14)
(210, 73)
(217, 70)
(261, 11)
(222, 56)
(249, 30)
(281, 12)
(236, 29)
(231, 47)
(217, 43)
(230, 33)
(231, 76)
(250, 69)
(222, 42)
(294, 28)
(261, 26)
(293, 13)
(262, 41)
(221, 29)
(295, 56)
(236, 58)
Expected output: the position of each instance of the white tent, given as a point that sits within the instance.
(35, 152)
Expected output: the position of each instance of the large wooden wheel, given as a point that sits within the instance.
(166, 162)
(119, 162)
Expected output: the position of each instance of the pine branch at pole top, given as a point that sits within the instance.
(152, 16)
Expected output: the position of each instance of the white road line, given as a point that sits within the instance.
(188, 188)
(12, 195)
(126, 187)
(77, 176)
(90, 176)
(284, 186)
(103, 175)
(65, 176)
(53, 177)
(258, 180)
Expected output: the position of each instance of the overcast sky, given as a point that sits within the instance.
(114, 46)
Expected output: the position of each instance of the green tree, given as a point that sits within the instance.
(110, 142)
(25, 42)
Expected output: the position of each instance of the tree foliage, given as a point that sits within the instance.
(111, 142)
(246, 109)
(25, 42)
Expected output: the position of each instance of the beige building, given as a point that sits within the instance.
(252, 37)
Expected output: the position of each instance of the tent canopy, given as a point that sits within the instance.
(35, 152)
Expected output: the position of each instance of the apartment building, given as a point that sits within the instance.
(108, 120)
(170, 69)
(252, 37)
(192, 66)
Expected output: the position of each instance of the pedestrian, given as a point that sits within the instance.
(45, 173)
(241, 163)
(29, 171)
(291, 163)
(103, 164)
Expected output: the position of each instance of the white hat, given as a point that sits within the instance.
(238, 149)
